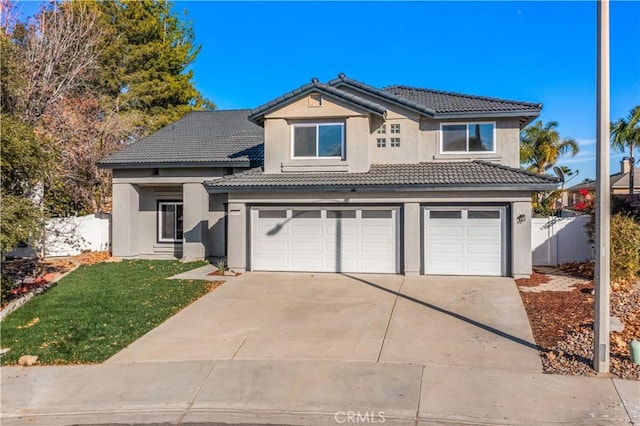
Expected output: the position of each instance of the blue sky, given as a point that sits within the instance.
(532, 51)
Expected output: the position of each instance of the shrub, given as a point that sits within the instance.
(625, 248)
(6, 285)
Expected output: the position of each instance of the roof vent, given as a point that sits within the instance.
(315, 80)
(342, 76)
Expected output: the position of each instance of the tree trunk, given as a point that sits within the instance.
(632, 170)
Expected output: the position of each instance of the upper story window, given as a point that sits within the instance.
(318, 140)
(381, 142)
(395, 128)
(382, 129)
(468, 137)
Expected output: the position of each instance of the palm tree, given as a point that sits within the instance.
(626, 133)
(541, 146)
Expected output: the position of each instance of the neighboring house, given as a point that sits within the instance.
(619, 184)
(338, 177)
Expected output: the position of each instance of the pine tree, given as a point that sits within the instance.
(148, 49)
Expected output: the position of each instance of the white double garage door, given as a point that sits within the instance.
(456, 240)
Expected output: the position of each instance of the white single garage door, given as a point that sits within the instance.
(324, 239)
(464, 241)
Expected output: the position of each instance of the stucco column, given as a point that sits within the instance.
(237, 233)
(124, 220)
(195, 225)
(411, 233)
(521, 239)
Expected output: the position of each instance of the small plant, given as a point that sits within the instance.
(625, 248)
(221, 265)
(7, 285)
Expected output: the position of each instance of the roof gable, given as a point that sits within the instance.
(257, 115)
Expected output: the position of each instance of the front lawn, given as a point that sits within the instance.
(97, 310)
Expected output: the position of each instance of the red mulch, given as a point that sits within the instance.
(553, 313)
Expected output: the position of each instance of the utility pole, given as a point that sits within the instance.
(603, 198)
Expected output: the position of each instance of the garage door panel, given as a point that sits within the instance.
(307, 246)
(379, 231)
(445, 248)
(272, 263)
(484, 231)
(483, 268)
(376, 248)
(301, 230)
(441, 230)
(307, 263)
(345, 231)
(483, 250)
(467, 243)
(273, 246)
(444, 266)
(272, 229)
(349, 247)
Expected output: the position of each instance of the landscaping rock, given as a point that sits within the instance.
(27, 360)
(615, 325)
(4, 351)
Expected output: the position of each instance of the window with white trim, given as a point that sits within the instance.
(395, 142)
(382, 129)
(318, 140)
(467, 137)
(395, 128)
(170, 221)
(381, 142)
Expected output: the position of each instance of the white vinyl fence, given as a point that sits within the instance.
(69, 236)
(557, 240)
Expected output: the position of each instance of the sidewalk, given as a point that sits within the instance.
(308, 392)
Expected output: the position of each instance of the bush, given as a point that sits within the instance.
(6, 285)
(625, 248)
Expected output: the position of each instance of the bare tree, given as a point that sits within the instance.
(61, 50)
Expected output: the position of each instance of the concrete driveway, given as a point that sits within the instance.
(428, 320)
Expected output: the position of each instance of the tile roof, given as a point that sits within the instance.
(440, 104)
(257, 114)
(198, 138)
(449, 102)
(421, 176)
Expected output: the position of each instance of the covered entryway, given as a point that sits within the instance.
(336, 239)
(464, 241)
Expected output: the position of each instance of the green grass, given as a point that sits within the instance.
(97, 310)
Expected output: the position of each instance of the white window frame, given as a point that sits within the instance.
(382, 130)
(395, 128)
(466, 123)
(381, 142)
(394, 142)
(160, 220)
(316, 157)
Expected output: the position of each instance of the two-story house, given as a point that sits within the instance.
(335, 177)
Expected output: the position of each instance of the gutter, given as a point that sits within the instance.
(379, 188)
(177, 164)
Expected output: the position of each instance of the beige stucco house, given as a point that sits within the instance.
(335, 177)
